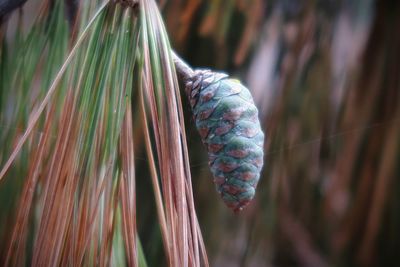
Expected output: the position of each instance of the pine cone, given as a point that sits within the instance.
(227, 121)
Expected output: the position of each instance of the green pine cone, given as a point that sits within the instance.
(227, 121)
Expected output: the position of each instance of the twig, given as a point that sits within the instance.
(184, 71)
(7, 6)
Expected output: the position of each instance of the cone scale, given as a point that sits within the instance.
(227, 121)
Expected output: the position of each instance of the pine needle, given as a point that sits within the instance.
(35, 117)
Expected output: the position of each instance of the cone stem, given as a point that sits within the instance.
(184, 71)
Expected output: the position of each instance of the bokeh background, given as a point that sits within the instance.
(325, 76)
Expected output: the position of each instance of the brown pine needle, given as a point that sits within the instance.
(36, 115)
(127, 188)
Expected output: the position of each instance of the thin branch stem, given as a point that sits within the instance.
(184, 71)
(7, 6)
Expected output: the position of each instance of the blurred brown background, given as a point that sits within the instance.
(325, 76)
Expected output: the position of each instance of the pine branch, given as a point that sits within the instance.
(7, 6)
